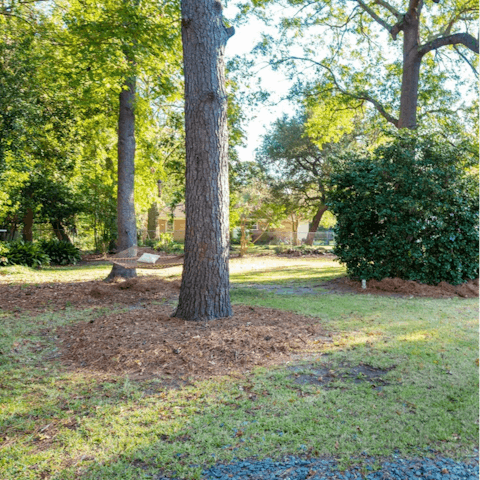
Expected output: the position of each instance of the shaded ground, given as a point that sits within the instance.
(399, 287)
(135, 335)
(312, 374)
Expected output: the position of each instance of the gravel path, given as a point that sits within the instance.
(293, 468)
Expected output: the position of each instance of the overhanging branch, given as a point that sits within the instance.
(359, 96)
(389, 7)
(457, 38)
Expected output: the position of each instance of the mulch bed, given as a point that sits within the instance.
(86, 294)
(402, 288)
(147, 342)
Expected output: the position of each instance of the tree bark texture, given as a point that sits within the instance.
(412, 61)
(127, 228)
(205, 288)
(27, 231)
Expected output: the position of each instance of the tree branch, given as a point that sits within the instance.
(466, 60)
(389, 7)
(359, 96)
(376, 17)
(398, 27)
(457, 38)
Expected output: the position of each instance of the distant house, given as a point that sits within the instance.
(284, 232)
(177, 227)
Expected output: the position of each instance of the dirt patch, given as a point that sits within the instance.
(337, 376)
(80, 294)
(149, 342)
(399, 287)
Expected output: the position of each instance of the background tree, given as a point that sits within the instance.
(254, 203)
(353, 49)
(204, 292)
(300, 167)
(39, 140)
(124, 37)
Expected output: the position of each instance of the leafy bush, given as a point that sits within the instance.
(167, 244)
(299, 250)
(408, 210)
(61, 252)
(27, 254)
(147, 242)
(4, 250)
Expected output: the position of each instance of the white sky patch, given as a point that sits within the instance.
(260, 118)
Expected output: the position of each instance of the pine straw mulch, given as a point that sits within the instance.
(145, 341)
(21, 298)
(401, 288)
(148, 342)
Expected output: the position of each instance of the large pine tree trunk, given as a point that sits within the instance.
(205, 288)
(411, 73)
(127, 228)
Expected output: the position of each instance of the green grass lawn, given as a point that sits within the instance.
(63, 425)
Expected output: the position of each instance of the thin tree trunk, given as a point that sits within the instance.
(13, 229)
(315, 223)
(127, 228)
(60, 232)
(410, 74)
(152, 221)
(28, 226)
(243, 237)
(294, 232)
(205, 288)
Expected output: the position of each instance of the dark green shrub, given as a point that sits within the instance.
(60, 252)
(26, 253)
(408, 210)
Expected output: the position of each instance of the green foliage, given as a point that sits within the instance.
(329, 120)
(408, 210)
(27, 254)
(4, 250)
(167, 244)
(61, 252)
(59, 111)
(348, 49)
(298, 250)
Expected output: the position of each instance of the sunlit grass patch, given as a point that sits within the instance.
(302, 274)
